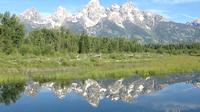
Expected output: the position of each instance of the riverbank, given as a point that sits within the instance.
(76, 66)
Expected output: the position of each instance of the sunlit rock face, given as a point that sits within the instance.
(126, 90)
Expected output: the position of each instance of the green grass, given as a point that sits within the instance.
(69, 67)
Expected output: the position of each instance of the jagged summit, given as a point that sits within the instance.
(59, 16)
(91, 14)
(31, 11)
(130, 6)
(31, 14)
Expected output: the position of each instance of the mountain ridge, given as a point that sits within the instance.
(112, 21)
(93, 13)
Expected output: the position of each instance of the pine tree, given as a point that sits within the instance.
(12, 33)
(84, 43)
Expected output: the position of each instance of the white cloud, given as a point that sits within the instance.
(175, 1)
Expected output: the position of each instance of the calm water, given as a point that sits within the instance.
(151, 94)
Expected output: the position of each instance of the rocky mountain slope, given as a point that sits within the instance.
(118, 20)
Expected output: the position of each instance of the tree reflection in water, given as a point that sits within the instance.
(10, 92)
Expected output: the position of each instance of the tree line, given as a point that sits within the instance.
(15, 40)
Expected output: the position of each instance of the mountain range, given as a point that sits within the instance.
(124, 20)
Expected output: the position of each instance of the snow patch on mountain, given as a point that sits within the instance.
(92, 14)
(31, 14)
(60, 16)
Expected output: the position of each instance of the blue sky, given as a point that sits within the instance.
(176, 10)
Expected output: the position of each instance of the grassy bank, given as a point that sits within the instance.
(74, 66)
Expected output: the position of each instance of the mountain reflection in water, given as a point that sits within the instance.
(122, 90)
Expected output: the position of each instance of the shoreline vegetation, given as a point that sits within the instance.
(59, 54)
(45, 68)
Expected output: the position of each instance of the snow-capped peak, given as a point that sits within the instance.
(129, 6)
(60, 15)
(61, 10)
(31, 14)
(126, 12)
(30, 11)
(91, 14)
(132, 13)
(115, 6)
